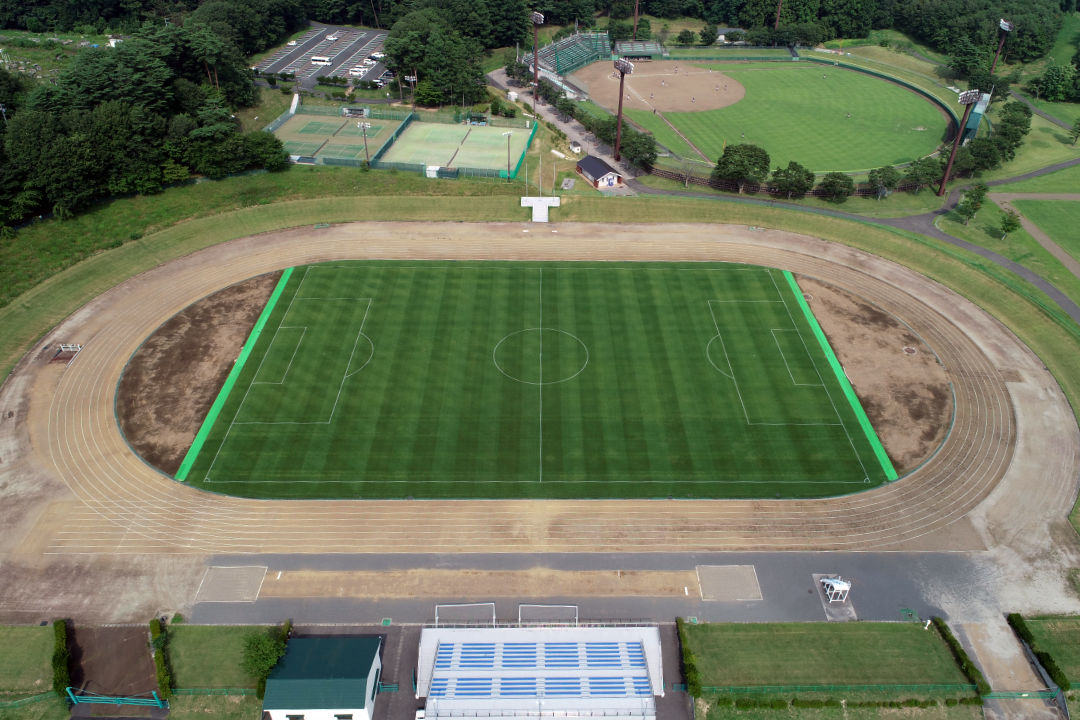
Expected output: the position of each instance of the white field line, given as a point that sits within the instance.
(784, 358)
(270, 349)
(828, 394)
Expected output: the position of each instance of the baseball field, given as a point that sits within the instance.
(538, 380)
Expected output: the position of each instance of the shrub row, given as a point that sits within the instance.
(689, 664)
(969, 668)
(159, 641)
(1016, 620)
(61, 658)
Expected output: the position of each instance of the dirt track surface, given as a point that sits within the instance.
(111, 503)
(665, 85)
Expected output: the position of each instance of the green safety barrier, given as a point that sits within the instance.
(929, 689)
(845, 384)
(214, 691)
(23, 702)
(1022, 695)
(238, 366)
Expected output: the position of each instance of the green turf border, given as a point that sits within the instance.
(841, 377)
(238, 366)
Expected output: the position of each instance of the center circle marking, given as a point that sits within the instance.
(519, 335)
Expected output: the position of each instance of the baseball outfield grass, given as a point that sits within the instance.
(826, 118)
(537, 380)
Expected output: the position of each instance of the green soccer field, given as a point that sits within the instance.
(533, 380)
(799, 111)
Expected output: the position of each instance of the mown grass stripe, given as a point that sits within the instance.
(238, 366)
(841, 377)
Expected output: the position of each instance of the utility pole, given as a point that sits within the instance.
(507, 135)
(363, 129)
(625, 67)
(967, 99)
(1006, 27)
(537, 21)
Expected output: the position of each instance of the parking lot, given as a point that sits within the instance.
(343, 49)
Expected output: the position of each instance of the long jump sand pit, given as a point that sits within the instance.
(666, 85)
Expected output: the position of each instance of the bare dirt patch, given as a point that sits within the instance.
(172, 380)
(112, 660)
(536, 582)
(664, 85)
(900, 382)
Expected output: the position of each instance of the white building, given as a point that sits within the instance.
(563, 672)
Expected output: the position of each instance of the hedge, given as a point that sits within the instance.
(159, 641)
(1016, 620)
(967, 666)
(689, 665)
(61, 658)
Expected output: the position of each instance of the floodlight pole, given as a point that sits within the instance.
(507, 135)
(1006, 27)
(967, 99)
(636, 3)
(624, 67)
(537, 21)
(363, 129)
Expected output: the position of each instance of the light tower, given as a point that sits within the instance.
(1006, 28)
(636, 3)
(967, 99)
(625, 67)
(537, 21)
(364, 127)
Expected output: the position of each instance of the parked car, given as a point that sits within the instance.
(291, 43)
(331, 38)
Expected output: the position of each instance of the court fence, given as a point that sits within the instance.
(23, 702)
(881, 690)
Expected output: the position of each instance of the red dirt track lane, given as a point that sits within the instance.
(119, 505)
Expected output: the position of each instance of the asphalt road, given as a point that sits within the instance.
(883, 584)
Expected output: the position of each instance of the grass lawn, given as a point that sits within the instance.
(1057, 218)
(941, 712)
(536, 380)
(1059, 636)
(209, 656)
(799, 111)
(1062, 181)
(53, 709)
(1045, 145)
(218, 707)
(985, 230)
(821, 654)
(24, 49)
(270, 104)
(25, 663)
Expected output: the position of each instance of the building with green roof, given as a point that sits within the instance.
(325, 678)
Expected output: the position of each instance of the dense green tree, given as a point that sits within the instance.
(509, 22)
(836, 186)
(884, 180)
(262, 650)
(1010, 222)
(923, 172)
(685, 37)
(742, 164)
(425, 45)
(794, 180)
(972, 202)
(1056, 83)
(1074, 132)
(708, 34)
(265, 149)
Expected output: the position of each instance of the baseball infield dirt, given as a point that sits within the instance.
(666, 85)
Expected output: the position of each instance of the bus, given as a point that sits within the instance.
(320, 60)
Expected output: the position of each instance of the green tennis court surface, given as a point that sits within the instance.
(469, 146)
(454, 380)
(300, 148)
(319, 127)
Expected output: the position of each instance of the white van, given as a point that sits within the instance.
(331, 38)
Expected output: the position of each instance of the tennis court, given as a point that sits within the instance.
(338, 138)
(469, 146)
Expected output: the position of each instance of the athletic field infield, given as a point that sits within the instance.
(536, 380)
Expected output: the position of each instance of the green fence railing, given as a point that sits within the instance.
(1022, 695)
(922, 689)
(23, 702)
(214, 691)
